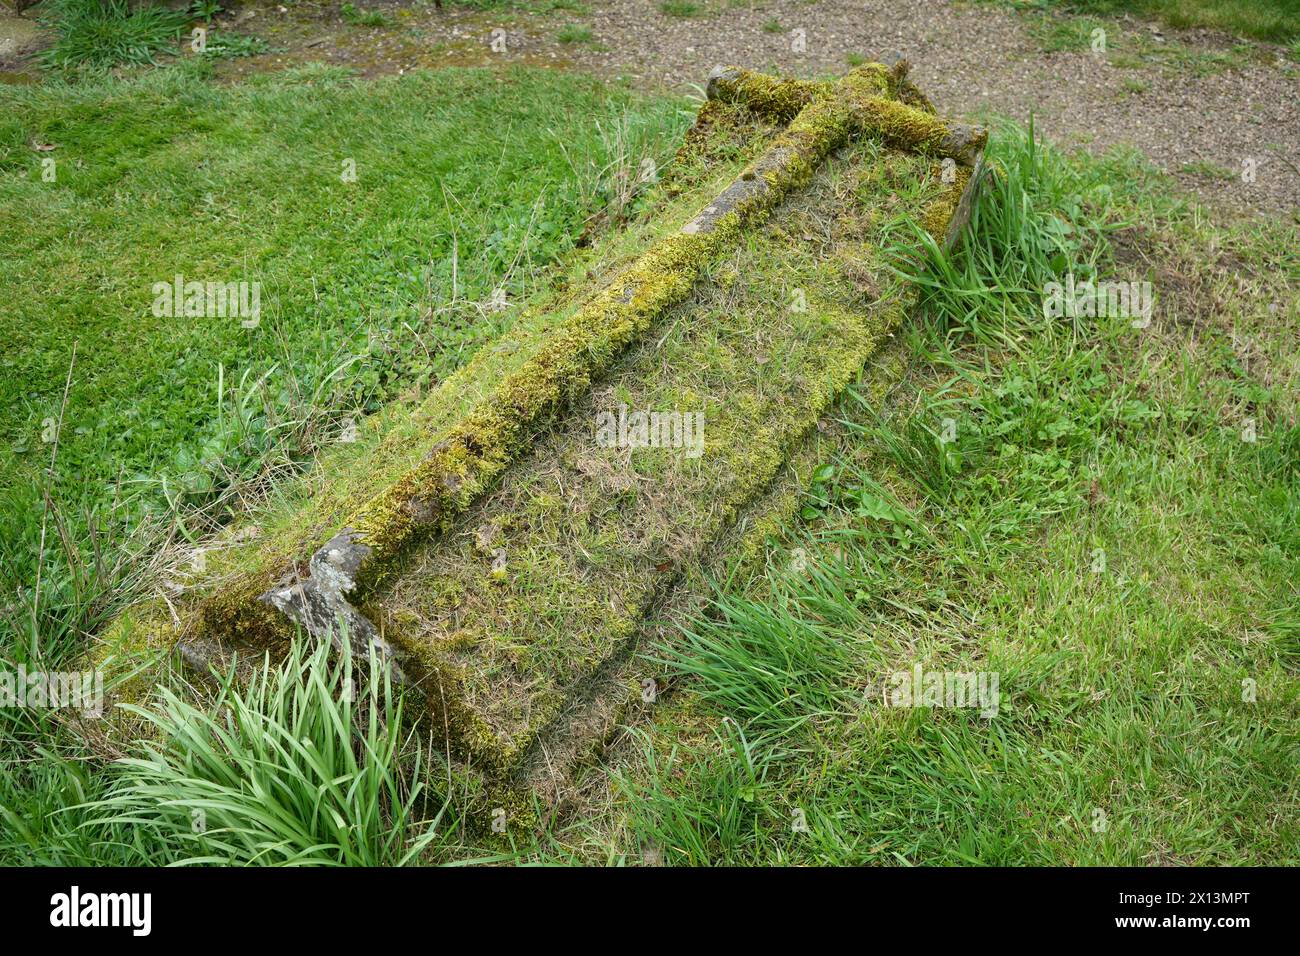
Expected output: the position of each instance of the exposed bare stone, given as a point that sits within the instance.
(420, 510)
(199, 656)
(964, 143)
(720, 77)
(319, 602)
(961, 215)
(733, 196)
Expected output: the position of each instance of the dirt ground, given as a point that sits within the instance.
(1217, 113)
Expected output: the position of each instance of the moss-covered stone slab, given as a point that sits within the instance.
(504, 546)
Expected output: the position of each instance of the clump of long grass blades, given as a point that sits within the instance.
(1034, 219)
(918, 446)
(108, 32)
(296, 768)
(703, 807)
(762, 664)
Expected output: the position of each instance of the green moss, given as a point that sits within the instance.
(479, 448)
(126, 652)
(775, 98)
(475, 449)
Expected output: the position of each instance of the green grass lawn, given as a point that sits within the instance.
(1107, 517)
(1275, 20)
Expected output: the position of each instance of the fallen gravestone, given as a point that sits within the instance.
(504, 547)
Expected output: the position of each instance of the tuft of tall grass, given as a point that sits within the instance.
(109, 32)
(771, 670)
(1037, 217)
(364, 18)
(724, 814)
(308, 764)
